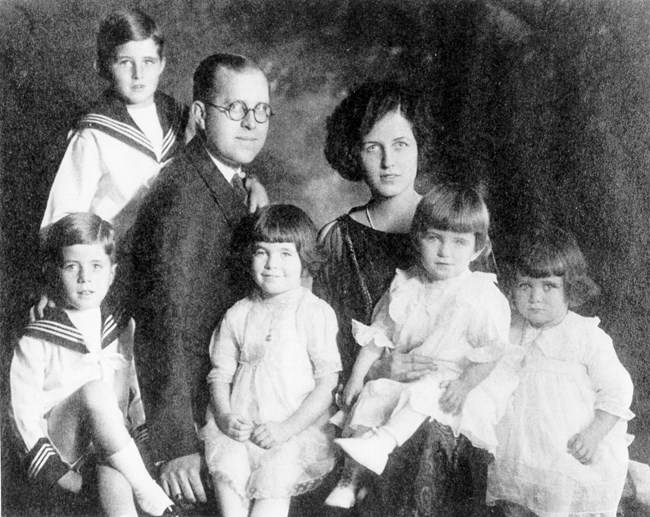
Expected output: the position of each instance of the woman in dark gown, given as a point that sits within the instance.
(378, 135)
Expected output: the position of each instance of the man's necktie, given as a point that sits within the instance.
(238, 186)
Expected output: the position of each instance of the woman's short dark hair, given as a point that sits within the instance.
(551, 251)
(120, 27)
(356, 115)
(276, 223)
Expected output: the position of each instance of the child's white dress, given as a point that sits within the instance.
(457, 321)
(568, 371)
(272, 351)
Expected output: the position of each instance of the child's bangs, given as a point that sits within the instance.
(461, 219)
(540, 263)
(274, 232)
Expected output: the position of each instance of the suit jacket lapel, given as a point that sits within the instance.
(220, 190)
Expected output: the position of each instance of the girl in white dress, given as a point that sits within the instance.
(442, 310)
(562, 444)
(275, 366)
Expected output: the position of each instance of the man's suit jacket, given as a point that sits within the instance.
(180, 290)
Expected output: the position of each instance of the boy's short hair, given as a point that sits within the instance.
(120, 27)
(206, 76)
(357, 114)
(551, 251)
(276, 223)
(454, 207)
(77, 228)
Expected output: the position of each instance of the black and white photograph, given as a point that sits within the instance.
(325, 258)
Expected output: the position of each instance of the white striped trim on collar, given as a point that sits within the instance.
(109, 325)
(40, 459)
(125, 129)
(58, 329)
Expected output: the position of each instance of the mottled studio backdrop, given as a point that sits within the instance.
(545, 101)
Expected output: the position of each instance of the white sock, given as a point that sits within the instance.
(149, 495)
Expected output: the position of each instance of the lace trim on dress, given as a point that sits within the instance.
(298, 489)
(549, 492)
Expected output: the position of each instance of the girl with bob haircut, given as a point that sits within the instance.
(74, 390)
(562, 443)
(550, 251)
(440, 309)
(282, 223)
(274, 366)
(455, 208)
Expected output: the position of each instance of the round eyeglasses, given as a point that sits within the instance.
(238, 110)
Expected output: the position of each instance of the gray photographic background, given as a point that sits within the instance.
(546, 102)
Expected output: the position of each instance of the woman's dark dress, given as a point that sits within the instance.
(433, 474)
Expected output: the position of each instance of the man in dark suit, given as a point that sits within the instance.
(180, 279)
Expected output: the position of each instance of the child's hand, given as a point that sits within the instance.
(583, 446)
(351, 392)
(453, 399)
(269, 435)
(236, 427)
(71, 481)
(257, 196)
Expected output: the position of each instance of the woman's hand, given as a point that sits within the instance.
(236, 427)
(402, 367)
(269, 435)
(453, 399)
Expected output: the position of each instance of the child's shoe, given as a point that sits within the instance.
(153, 500)
(370, 450)
(344, 494)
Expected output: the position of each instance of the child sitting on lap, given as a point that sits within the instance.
(439, 309)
